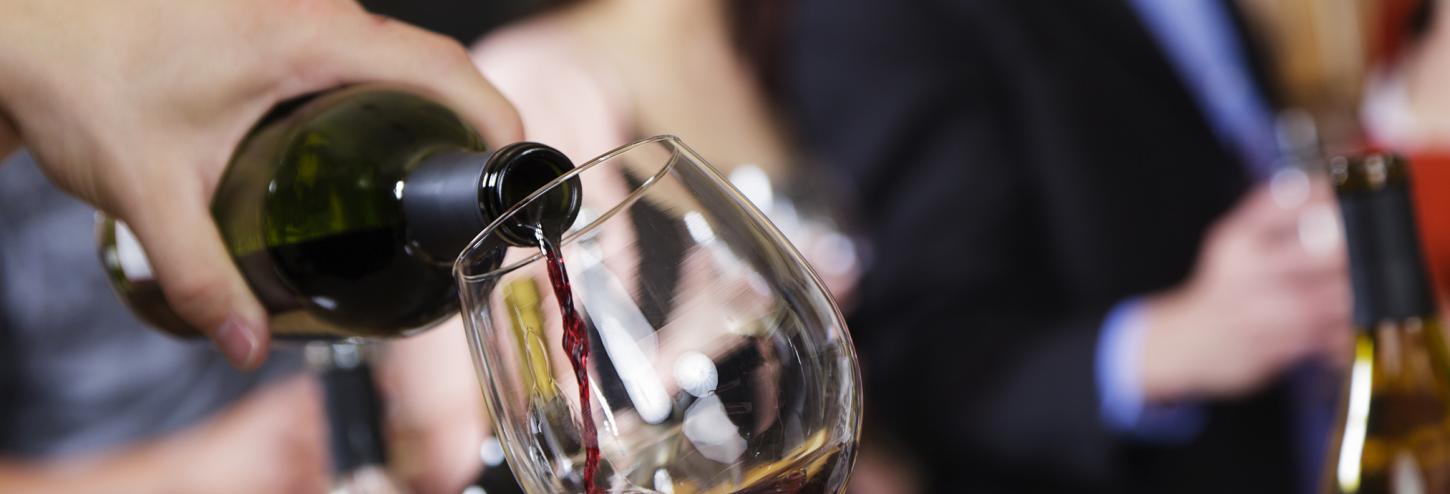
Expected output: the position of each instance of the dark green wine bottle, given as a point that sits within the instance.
(346, 210)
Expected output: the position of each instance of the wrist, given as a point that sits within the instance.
(136, 469)
(152, 467)
(1165, 363)
(169, 466)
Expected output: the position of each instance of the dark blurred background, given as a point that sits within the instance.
(464, 20)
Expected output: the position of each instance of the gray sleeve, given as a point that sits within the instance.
(77, 371)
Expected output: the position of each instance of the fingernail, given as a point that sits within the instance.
(238, 343)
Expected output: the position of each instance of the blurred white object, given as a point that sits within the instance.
(696, 374)
(1390, 117)
(1319, 230)
(832, 253)
(1289, 187)
(709, 428)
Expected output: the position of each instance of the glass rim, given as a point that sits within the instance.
(460, 272)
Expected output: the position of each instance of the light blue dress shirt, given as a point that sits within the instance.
(1200, 40)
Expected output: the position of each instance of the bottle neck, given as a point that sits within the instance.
(452, 196)
(1407, 341)
(442, 202)
(1387, 269)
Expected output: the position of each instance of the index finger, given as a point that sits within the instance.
(378, 49)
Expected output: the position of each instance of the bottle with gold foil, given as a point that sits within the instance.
(1394, 429)
(547, 409)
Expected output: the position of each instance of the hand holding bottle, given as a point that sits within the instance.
(1260, 299)
(136, 106)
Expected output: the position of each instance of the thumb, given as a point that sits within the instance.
(196, 273)
(435, 65)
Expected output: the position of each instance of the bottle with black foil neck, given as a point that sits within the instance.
(344, 212)
(1394, 429)
(354, 408)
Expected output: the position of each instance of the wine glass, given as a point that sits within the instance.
(717, 361)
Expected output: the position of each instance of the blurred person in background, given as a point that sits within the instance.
(1407, 109)
(138, 119)
(1082, 281)
(591, 75)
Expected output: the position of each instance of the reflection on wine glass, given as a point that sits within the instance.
(717, 362)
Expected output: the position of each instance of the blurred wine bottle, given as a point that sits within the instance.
(1394, 436)
(354, 408)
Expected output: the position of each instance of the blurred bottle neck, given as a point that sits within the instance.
(353, 407)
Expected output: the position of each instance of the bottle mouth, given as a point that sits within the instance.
(652, 158)
(523, 169)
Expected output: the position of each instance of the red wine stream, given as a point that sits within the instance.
(576, 345)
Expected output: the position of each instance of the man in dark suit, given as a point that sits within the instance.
(1078, 285)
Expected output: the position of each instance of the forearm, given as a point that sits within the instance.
(136, 469)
